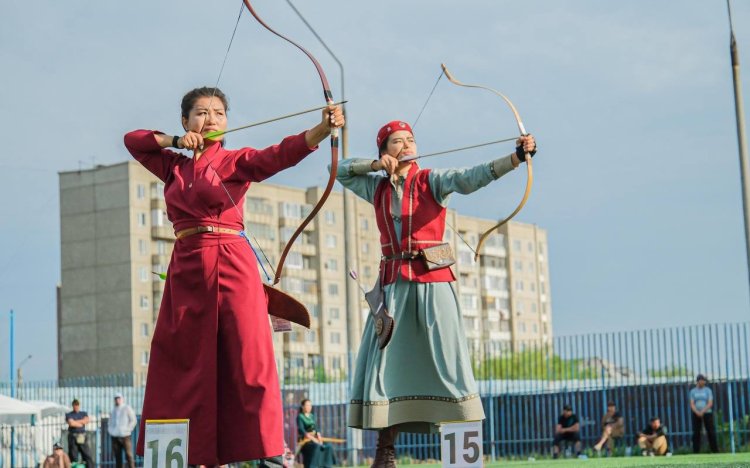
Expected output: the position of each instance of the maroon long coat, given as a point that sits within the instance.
(212, 355)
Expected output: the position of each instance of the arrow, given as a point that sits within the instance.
(217, 133)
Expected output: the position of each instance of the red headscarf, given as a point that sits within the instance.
(391, 127)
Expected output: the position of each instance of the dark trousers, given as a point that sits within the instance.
(74, 448)
(123, 444)
(698, 422)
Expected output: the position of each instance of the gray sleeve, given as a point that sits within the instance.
(357, 175)
(443, 182)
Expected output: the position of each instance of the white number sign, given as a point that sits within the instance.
(166, 443)
(461, 444)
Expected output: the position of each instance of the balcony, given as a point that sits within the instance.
(162, 232)
(500, 336)
(158, 204)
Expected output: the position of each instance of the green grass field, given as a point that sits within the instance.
(741, 460)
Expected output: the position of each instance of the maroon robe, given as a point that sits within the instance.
(212, 357)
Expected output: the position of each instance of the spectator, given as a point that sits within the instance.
(701, 404)
(653, 439)
(613, 427)
(122, 421)
(316, 453)
(58, 459)
(567, 429)
(77, 443)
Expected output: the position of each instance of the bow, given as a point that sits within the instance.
(328, 95)
(529, 169)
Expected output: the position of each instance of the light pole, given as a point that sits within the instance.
(350, 245)
(19, 378)
(741, 138)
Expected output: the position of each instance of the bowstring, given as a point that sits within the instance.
(414, 125)
(243, 232)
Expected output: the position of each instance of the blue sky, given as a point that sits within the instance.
(637, 176)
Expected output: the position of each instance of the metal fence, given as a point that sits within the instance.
(523, 388)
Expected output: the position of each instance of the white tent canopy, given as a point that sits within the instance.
(15, 412)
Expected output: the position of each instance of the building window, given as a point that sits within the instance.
(530, 247)
(542, 289)
(469, 301)
(518, 265)
(519, 285)
(330, 217)
(331, 241)
(161, 247)
(332, 264)
(144, 329)
(533, 287)
(335, 338)
(140, 191)
(143, 274)
(541, 248)
(519, 307)
(333, 289)
(157, 217)
(516, 245)
(534, 327)
(465, 258)
(157, 191)
(364, 224)
(334, 313)
(533, 307)
(336, 362)
(141, 219)
(294, 260)
(144, 358)
(142, 247)
(312, 336)
(144, 302)
(522, 327)
(365, 248)
(368, 271)
(290, 210)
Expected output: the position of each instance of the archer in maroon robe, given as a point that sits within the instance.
(212, 355)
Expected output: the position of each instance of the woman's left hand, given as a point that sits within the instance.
(527, 142)
(333, 117)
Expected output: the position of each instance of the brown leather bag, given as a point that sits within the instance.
(384, 322)
(437, 257)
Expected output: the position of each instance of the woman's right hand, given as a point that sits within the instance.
(191, 141)
(387, 163)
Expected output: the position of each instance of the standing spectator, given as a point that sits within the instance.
(701, 404)
(567, 429)
(77, 421)
(58, 459)
(613, 427)
(653, 439)
(122, 421)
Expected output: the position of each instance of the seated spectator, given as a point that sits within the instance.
(316, 452)
(653, 439)
(567, 429)
(613, 427)
(58, 459)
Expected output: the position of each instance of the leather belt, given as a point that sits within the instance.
(199, 229)
(413, 255)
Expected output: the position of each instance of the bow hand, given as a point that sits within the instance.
(332, 118)
(525, 148)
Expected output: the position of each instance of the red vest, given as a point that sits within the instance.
(422, 225)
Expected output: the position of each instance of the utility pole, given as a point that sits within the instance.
(739, 110)
(350, 252)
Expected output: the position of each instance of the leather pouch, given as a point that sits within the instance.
(437, 257)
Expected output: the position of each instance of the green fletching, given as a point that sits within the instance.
(214, 134)
(160, 275)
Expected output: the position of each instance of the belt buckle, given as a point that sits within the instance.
(209, 229)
